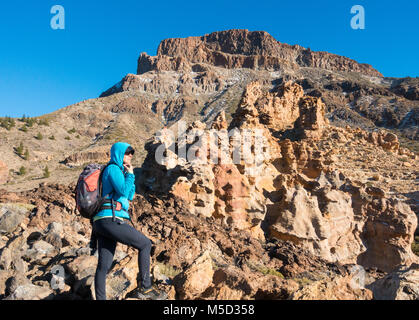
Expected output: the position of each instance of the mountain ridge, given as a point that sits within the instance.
(227, 48)
(140, 104)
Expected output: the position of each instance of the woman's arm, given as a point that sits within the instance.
(122, 185)
(131, 193)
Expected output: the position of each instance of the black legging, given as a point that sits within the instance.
(110, 232)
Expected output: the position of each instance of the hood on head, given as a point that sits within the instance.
(118, 152)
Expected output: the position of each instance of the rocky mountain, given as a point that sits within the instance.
(194, 79)
(235, 49)
(220, 62)
(298, 191)
(322, 203)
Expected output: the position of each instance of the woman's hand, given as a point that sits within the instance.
(129, 168)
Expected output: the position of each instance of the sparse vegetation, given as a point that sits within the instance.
(39, 136)
(67, 138)
(116, 134)
(46, 172)
(24, 128)
(30, 122)
(7, 122)
(19, 149)
(302, 282)
(26, 155)
(51, 137)
(72, 131)
(411, 144)
(273, 272)
(19, 205)
(43, 122)
(265, 270)
(167, 270)
(22, 171)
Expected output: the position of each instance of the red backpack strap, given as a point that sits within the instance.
(100, 178)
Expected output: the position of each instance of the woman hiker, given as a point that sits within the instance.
(118, 183)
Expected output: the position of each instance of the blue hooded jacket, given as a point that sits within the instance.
(117, 183)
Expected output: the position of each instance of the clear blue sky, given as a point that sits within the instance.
(42, 69)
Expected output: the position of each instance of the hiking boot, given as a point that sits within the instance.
(150, 294)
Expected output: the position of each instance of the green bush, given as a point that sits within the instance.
(72, 131)
(43, 122)
(268, 271)
(7, 123)
(46, 172)
(22, 171)
(19, 149)
(67, 138)
(30, 122)
(39, 136)
(26, 155)
(24, 128)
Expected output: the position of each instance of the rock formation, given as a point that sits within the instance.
(292, 192)
(46, 256)
(402, 284)
(242, 49)
(98, 155)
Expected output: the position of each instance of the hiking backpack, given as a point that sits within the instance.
(89, 190)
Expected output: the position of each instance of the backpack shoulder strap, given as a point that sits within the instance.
(101, 175)
(100, 188)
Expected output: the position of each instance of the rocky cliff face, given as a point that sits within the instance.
(193, 257)
(242, 49)
(207, 74)
(293, 192)
(98, 155)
